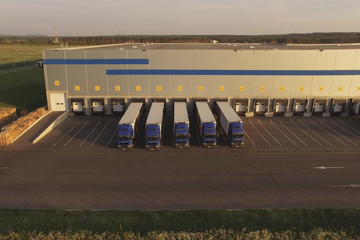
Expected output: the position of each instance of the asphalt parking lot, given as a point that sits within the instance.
(93, 132)
(285, 163)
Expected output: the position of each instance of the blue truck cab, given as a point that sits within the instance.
(206, 124)
(125, 136)
(182, 135)
(153, 136)
(236, 133)
(129, 125)
(209, 134)
(181, 125)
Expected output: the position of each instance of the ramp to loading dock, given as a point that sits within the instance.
(37, 128)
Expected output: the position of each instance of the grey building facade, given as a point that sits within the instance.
(246, 74)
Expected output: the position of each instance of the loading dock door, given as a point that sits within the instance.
(57, 101)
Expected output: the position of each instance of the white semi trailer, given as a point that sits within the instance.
(153, 126)
(231, 123)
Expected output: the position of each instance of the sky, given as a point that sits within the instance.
(181, 17)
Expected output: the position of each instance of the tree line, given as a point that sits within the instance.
(296, 38)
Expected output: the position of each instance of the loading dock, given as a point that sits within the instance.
(77, 105)
(97, 106)
(117, 106)
(241, 106)
(355, 109)
(338, 106)
(300, 106)
(260, 106)
(280, 106)
(319, 106)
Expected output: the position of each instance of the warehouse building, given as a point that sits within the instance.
(253, 78)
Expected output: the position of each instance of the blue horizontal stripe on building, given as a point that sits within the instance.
(231, 72)
(94, 61)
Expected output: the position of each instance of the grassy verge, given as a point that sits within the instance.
(11, 53)
(21, 52)
(24, 90)
(143, 222)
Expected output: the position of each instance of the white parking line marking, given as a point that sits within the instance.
(328, 133)
(66, 134)
(292, 133)
(269, 132)
(246, 134)
(90, 133)
(305, 132)
(283, 133)
(92, 144)
(340, 133)
(75, 134)
(260, 133)
(347, 186)
(111, 137)
(325, 168)
(353, 129)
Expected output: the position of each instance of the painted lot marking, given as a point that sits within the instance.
(292, 133)
(107, 145)
(353, 129)
(346, 186)
(92, 144)
(76, 134)
(90, 133)
(269, 132)
(66, 134)
(260, 133)
(247, 135)
(307, 133)
(330, 134)
(325, 168)
(283, 133)
(339, 133)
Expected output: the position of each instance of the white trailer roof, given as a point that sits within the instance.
(228, 112)
(156, 113)
(131, 113)
(180, 112)
(204, 112)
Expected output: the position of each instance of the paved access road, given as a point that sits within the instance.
(282, 166)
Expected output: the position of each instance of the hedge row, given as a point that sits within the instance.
(226, 234)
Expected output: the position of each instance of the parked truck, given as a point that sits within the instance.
(206, 124)
(231, 123)
(129, 125)
(153, 126)
(181, 125)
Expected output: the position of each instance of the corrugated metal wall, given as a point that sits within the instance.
(91, 80)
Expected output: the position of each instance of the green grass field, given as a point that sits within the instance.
(24, 90)
(19, 53)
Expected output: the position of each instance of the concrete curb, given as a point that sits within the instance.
(30, 127)
(54, 124)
